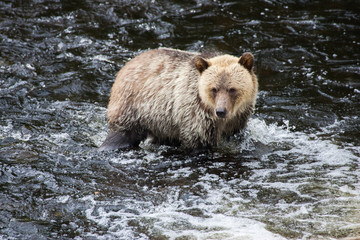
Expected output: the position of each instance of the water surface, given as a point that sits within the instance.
(294, 176)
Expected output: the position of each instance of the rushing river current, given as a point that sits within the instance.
(294, 174)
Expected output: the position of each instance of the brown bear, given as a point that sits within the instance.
(179, 97)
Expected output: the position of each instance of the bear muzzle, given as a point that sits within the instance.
(222, 104)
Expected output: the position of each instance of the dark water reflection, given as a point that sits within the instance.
(295, 176)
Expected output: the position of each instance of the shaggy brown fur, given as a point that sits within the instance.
(181, 97)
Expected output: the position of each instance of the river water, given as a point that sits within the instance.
(295, 175)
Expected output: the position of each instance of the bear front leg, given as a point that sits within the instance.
(118, 139)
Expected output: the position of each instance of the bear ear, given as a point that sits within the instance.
(247, 60)
(201, 64)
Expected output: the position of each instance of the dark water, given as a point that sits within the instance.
(295, 176)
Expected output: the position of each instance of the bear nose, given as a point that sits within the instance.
(221, 112)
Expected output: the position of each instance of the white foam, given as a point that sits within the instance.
(102, 58)
(169, 221)
(63, 199)
(323, 151)
(8, 131)
(216, 226)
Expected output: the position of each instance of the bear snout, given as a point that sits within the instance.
(221, 112)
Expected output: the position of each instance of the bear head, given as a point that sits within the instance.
(227, 84)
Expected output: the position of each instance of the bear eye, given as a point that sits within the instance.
(214, 90)
(232, 90)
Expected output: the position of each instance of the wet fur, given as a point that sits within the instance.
(158, 94)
